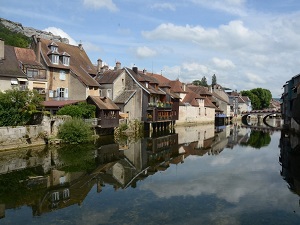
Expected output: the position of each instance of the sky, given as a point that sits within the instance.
(246, 43)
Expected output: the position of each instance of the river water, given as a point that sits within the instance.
(190, 175)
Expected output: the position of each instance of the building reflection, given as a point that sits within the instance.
(55, 178)
(290, 160)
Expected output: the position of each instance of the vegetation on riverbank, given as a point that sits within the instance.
(75, 131)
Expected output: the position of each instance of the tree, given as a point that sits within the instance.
(18, 107)
(82, 110)
(213, 80)
(196, 82)
(204, 82)
(260, 98)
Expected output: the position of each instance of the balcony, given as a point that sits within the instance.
(162, 105)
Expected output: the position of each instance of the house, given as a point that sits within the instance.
(107, 112)
(34, 70)
(11, 76)
(139, 96)
(290, 106)
(69, 70)
(238, 103)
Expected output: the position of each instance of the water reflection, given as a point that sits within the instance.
(290, 161)
(53, 179)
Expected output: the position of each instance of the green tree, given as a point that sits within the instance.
(18, 107)
(213, 80)
(75, 131)
(196, 82)
(260, 98)
(81, 110)
(204, 82)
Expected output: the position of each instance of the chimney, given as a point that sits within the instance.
(80, 46)
(135, 69)
(118, 65)
(1, 49)
(38, 50)
(99, 65)
(144, 71)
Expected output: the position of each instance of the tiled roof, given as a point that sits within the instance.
(28, 58)
(177, 86)
(201, 90)
(125, 96)
(53, 103)
(208, 103)
(191, 97)
(9, 66)
(109, 76)
(162, 81)
(104, 103)
(80, 63)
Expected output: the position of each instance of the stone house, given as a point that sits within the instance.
(139, 96)
(290, 106)
(69, 70)
(34, 70)
(11, 76)
(238, 103)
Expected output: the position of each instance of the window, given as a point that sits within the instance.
(62, 75)
(199, 111)
(55, 196)
(53, 48)
(54, 59)
(101, 93)
(108, 93)
(32, 73)
(66, 60)
(66, 193)
(62, 93)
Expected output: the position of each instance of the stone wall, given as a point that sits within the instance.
(31, 135)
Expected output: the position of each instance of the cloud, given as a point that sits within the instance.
(223, 63)
(164, 6)
(97, 4)
(60, 32)
(255, 78)
(235, 7)
(145, 52)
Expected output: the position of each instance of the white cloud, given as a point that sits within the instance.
(163, 6)
(223, 63)
(145, 52)
(255, 78)
(97, 4)
(235, 7)
(60, 32)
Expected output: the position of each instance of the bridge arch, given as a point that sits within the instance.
(265, 120)
(244, 119)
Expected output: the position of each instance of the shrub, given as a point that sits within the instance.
(75, 130)
(82, 110)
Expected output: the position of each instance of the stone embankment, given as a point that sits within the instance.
(31, 135)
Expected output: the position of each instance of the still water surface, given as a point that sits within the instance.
(193, 175)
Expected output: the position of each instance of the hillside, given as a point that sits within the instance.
(15, 34)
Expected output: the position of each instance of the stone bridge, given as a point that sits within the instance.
(261, 114)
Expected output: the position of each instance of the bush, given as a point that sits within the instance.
(75, 130)
(82, 110)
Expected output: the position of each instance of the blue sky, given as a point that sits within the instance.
(246, 43)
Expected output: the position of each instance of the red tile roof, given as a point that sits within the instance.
(80, 63)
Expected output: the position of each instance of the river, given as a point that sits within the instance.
(190, 175)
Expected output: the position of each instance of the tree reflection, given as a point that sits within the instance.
(257, 139)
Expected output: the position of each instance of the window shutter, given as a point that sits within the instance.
(57, 92)
(66, 93)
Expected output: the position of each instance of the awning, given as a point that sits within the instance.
(22, 79)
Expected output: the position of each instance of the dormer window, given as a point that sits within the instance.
(53, 47)
(65, 59)
(54, 58)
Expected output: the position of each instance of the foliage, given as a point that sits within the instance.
(260, 98)
(77, 159)
(81, 110)
(75, 130)
(13, 38)
(258, 139)
(202, 82)
(213, 80)
(18, 107)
